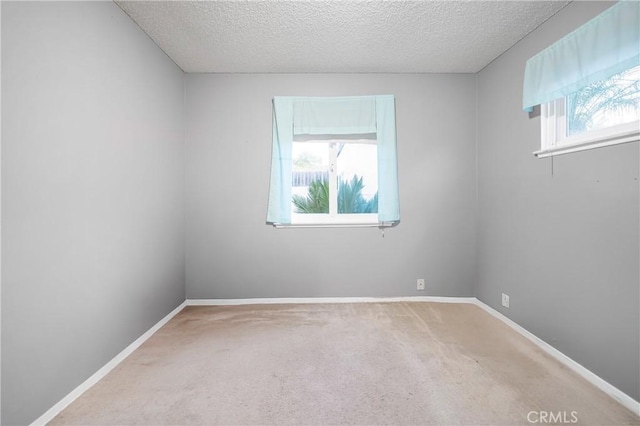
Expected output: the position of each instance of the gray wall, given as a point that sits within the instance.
(232, 253)
(92, 195)
(562, 244)
(92, 202)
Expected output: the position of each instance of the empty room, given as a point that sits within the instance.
(320, 212)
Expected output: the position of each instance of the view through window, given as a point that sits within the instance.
(606, 103)
(335, 177)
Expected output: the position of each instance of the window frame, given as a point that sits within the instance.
(333, 218)
(554, 141)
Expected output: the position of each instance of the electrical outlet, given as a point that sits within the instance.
(420, 284)
(505, 300)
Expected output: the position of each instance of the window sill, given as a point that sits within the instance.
(335, 225)
(626, 133)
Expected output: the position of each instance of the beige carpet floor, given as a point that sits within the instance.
(368, 364)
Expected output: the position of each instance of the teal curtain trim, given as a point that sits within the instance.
(606, 45)
(337, 131)
(279, 207)
(388, 196)
(334, 116)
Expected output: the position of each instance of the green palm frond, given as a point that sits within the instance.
(350, 195)
(619, 93)
(350, 198)
(317, 200)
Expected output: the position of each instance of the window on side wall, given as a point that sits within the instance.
(603, 113)
(588, 84)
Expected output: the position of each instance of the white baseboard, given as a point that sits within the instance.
(592, 378)
(82, 388)
(306, 300)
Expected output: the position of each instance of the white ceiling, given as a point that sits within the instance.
(274, 36)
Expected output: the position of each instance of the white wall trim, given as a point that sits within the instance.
(592, 378)
(82, 388)
(307, 300)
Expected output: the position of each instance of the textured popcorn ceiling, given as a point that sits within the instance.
(337, 36)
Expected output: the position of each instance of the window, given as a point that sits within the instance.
(335, 181)
(334, 162)
(588, 84)
(603, 113)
